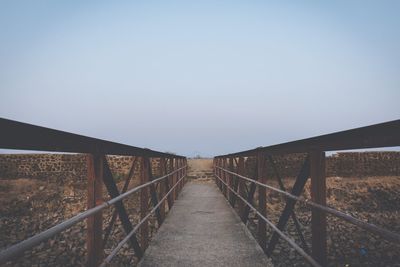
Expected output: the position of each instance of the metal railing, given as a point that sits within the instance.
(232, 185)
(17, 135)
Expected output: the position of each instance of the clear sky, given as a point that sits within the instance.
(200, 77)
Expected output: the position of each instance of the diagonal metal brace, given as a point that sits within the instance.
(236, 188)
(119, 206)
(124, 189)
(298, 187)
(293, 215)
(246, 210)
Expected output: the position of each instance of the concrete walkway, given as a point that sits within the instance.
(203, 230)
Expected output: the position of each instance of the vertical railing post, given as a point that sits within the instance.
(217, 173)
(144, 200)
(180, 175)
(94, 241)
(177, 177)
(318, 195)
(176, 161)
(224, 175)
(167, 182)
(171, 177)
(230, 180)
(241, 185)
(163, 191)
(185, 171)
(262, 230)
(221, 176)
(171, 166)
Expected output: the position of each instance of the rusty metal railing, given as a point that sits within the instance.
(232, 185)
(173, 168)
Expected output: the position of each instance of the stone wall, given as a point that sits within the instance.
(363, 164)
(42, 166)
(348, 164)
(344, 164)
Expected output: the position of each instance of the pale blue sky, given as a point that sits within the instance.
(204, 77)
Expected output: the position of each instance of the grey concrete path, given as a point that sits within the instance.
(203, 230)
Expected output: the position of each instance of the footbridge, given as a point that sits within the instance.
(199, 222)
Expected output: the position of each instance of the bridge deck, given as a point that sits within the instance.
(203, 230)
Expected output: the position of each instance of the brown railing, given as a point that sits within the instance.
(229, 171)
(159, 191)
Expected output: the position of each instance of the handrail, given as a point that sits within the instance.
(134, 230)
(379, 135)
(17, 249)
(24, 136)
(289, 240)
(388, 235)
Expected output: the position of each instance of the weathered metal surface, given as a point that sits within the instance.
(235, 183)
(293, 215)
(163, 189)
(230, 179)
(241, 185)
(144, 206)
(250, 198)
(318, 217)
(18, 135)
(167, 187)
(94, 241)
(379, 135)
(297, 189)
(262, 204)
(119, 206)
(124, 189)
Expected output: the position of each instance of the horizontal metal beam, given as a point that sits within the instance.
(379, 135)
(18, 135)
